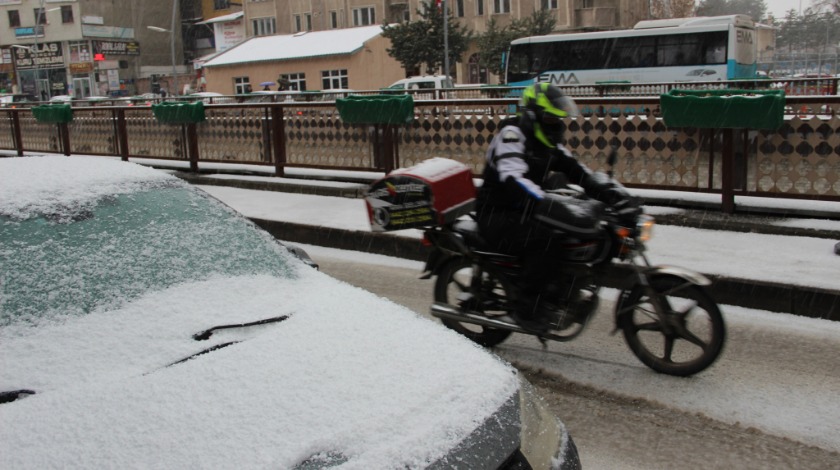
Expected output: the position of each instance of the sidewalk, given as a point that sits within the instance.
(759, 215)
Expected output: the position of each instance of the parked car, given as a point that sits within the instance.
(145, 324)
(61, 99)
(13, 100)
(210, 97)
(143, 99)
(417, 86)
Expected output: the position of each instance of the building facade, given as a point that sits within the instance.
(89, 47)
(290, 17)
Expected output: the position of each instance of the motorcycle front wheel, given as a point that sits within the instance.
(454, 287)
(687, 339)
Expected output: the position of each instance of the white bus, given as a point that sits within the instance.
(672, 50)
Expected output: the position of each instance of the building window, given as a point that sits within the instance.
(459, 8)
(241, 85)
(501, 6)
(80, 51)
(479, 7)
(297, 25)
(14, 19)
(364, 16)
(587, 3)
(296, 81)
(40, 16)
(308, 18)
(549, 4)
(334, 79)
(221, 4)
(264, 26)
(333, 19)
(67, 14)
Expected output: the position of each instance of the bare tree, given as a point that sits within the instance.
(832, 6)
(672, 8)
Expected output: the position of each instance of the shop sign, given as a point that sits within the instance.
(29, 31)
(109, 48)
(111, 32)
(48, 55)
(81, 67)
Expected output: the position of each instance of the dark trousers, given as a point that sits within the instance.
(511, 233)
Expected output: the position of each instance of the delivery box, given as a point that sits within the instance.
(434, 192)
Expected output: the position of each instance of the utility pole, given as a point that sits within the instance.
(445, 12)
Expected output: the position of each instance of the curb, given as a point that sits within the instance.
(752, 224)
(349, 190)
(780, 298)
(698, 218)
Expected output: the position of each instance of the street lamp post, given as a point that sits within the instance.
(172, 44)
(171, 32)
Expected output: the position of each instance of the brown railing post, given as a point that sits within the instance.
(64, 136)
(711, 137)
(388, 148)
(727, 203)
(122, 134)
(278, 139)
(16, 132)
(192, 146)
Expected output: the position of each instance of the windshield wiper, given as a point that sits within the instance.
(206, 334)
(12, 395)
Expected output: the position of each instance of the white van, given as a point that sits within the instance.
(425, 82)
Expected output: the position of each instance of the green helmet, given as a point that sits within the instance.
(543, 108)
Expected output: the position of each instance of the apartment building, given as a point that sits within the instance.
(286, 18)
(89, 47)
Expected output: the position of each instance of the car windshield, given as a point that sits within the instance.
(124, 245)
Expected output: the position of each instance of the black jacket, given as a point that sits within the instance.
(517, 167)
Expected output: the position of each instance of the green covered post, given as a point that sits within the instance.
(386, 113)
(728, 110)
(60, 115)
(187, 115)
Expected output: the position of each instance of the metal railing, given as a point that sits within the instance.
(799, 160)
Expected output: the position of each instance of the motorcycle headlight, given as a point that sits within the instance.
(644, 228)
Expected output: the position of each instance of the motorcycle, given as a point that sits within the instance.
(667, 317)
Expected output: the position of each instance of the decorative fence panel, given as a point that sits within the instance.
(801, 159)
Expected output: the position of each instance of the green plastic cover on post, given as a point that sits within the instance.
(724, 109)
(53, 113)
(376, 109)
(179, 113)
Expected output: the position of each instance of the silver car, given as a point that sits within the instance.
(144, 324)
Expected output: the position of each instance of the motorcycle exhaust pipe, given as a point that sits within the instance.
(449, 312)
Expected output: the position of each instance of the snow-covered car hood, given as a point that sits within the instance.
(340, 374)
(349, 374)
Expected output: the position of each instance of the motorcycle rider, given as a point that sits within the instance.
(519, 161)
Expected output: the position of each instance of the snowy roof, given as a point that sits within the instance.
(221, 19)
(297, 46)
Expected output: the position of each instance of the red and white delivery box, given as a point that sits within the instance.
(434, 192)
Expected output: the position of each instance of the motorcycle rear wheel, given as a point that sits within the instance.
(454, 279)
(694, 333)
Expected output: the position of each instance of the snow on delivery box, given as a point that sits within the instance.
(433, 192)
